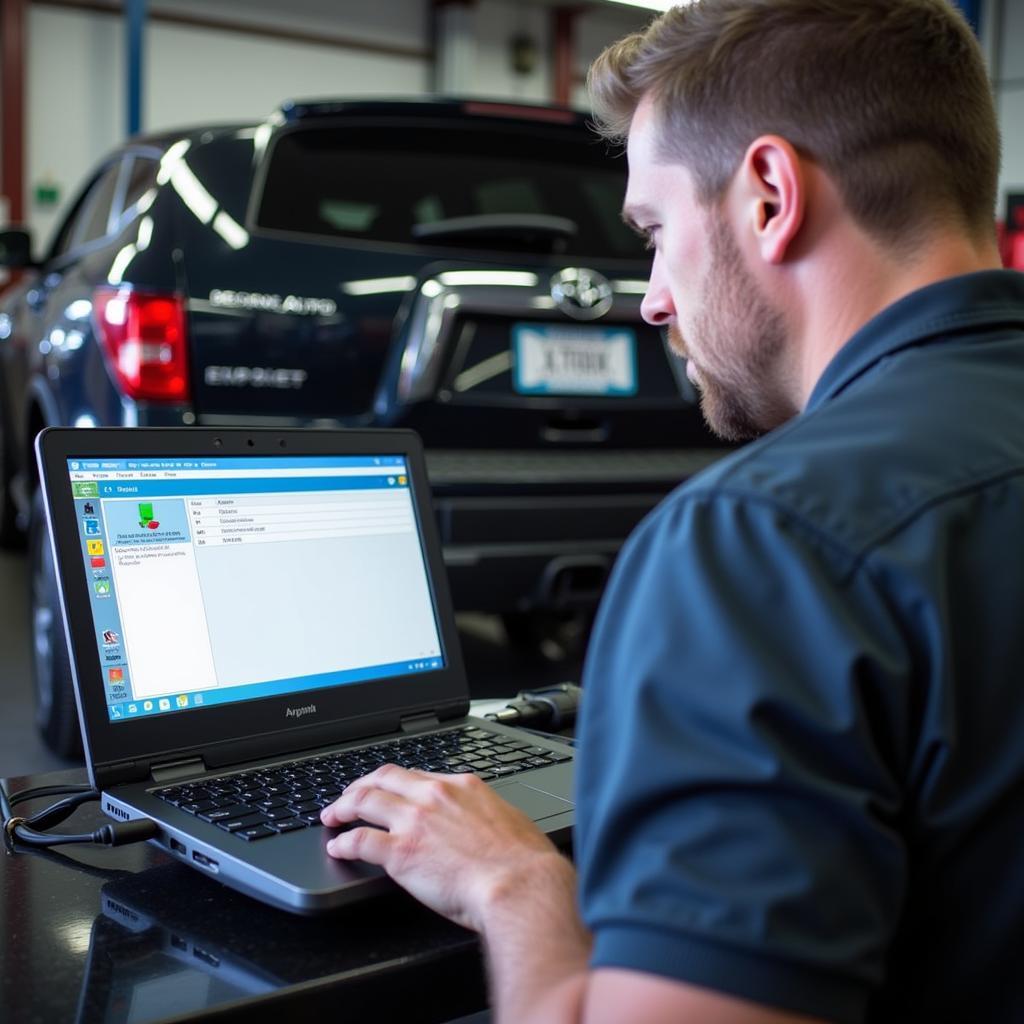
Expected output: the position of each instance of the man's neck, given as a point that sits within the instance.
(862, 278)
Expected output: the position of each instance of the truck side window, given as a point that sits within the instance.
(97, 216)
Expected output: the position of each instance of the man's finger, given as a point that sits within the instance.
(368, 803)
(393, 779)
(368, 844)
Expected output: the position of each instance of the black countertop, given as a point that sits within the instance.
(129, 936)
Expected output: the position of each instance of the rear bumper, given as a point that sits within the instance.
(541, 530)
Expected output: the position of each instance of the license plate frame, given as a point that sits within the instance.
(578, 360)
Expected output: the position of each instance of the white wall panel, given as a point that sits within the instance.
(394, 22)
(228, 76)
(74, 100)
(1011, 56)
(1011, 118)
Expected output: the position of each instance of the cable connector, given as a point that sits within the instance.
(31, 831)
(550, 708)
(124, 832)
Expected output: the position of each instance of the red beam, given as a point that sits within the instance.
(12, 107)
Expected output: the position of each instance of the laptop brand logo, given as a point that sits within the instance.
(309, 709)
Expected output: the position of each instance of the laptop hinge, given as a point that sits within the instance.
(420, 723)
(177, 769)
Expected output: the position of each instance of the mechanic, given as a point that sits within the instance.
(801, 770)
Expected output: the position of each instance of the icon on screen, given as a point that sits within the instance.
(75, 465)
(165, 704)
(91, 527)
(110, 638)
(102, 586)
(391, 481)
(98, 563)
(197, 699)
(133, 709)
(402, 480)
(94, 547)
(115, 675)
(147, 705)
(115, 710)
(88, 509)
(146, 519)
(182, 701)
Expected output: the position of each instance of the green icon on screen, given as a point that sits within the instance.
(146, 520)
(85, 489)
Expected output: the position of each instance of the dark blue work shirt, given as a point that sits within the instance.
(801, 769)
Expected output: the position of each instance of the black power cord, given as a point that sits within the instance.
(29, 831)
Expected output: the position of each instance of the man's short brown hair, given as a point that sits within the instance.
(890, 97)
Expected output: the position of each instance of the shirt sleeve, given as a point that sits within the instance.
(740, 751)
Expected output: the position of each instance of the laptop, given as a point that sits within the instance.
(255, 618)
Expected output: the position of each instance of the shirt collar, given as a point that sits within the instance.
(988, 298)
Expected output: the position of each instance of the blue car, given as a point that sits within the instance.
(460, 268)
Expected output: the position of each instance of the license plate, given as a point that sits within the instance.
(574, 360)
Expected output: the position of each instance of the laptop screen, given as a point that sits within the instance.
(213, 581)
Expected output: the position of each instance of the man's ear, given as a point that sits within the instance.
(771, 189)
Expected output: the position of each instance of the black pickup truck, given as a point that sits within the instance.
(455, 267)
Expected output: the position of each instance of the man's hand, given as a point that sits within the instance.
(458, 847)
(450, 840)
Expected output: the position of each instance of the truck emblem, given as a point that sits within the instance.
(581, 293)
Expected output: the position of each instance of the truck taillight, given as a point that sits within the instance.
(144, 338)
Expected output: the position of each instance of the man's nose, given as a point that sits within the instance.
(657, 308)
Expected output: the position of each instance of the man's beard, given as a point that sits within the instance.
(742, 340)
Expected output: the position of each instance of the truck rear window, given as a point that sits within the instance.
(405, 183)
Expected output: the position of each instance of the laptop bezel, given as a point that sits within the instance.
(126, 750)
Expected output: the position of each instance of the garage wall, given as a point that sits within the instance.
(497, 24)
(75, 71)
(75, 78)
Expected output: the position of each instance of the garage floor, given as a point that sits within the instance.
(494, 670)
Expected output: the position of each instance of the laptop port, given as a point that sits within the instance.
(204, 861)
(178, 847)
(207, 958)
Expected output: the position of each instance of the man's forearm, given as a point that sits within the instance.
(537, 947)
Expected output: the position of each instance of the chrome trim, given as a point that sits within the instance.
(434, 306)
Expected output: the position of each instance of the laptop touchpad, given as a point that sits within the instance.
(533, 802)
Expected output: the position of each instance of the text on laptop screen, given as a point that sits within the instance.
(220, 580)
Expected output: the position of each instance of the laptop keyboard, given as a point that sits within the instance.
(269, 801)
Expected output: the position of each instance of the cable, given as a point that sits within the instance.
(550, 708)
(29, 830)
